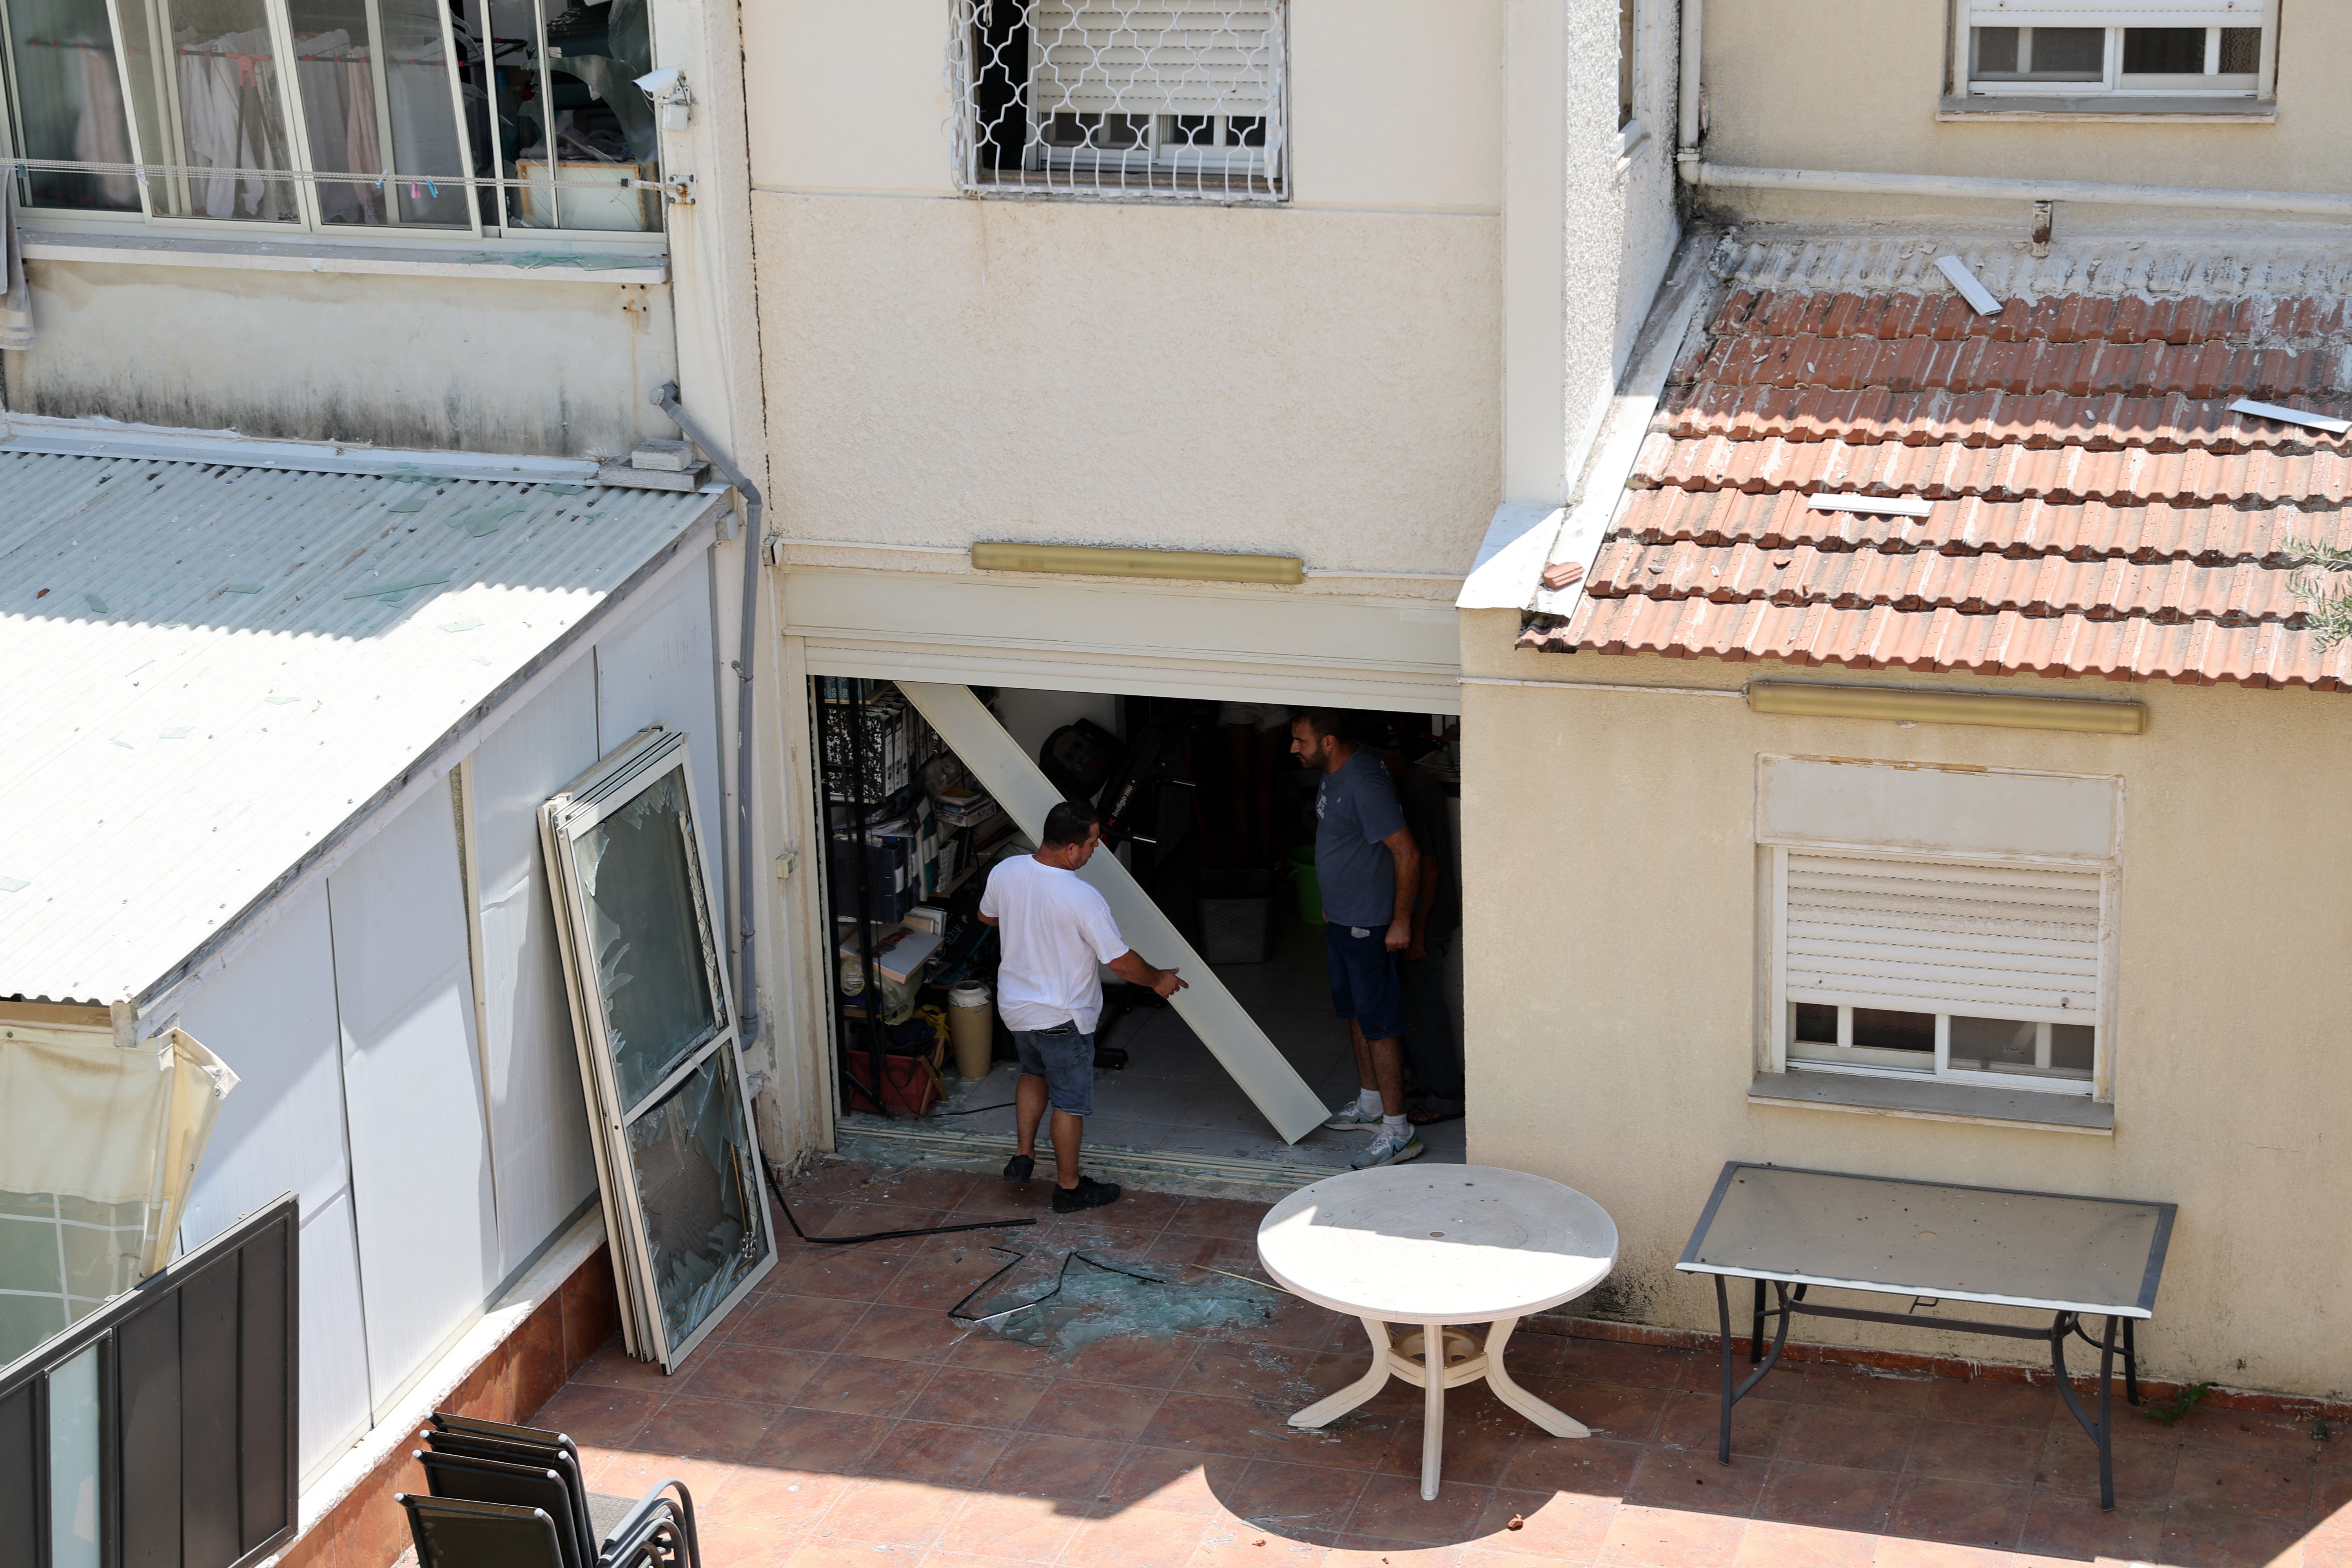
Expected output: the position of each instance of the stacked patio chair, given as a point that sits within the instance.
(512, 1497)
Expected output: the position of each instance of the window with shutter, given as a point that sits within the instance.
(2069, 48)
(1966, 969)
(1126, 99)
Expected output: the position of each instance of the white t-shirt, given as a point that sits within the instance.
(1055, 929)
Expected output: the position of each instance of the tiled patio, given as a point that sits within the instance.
(844, 1414)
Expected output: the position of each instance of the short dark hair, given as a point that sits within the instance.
(1325, 722)
(1067, 824)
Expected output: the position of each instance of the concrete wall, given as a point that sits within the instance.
(1883, 68)
(1614, 1014)
(1318, 378)
(495, 366)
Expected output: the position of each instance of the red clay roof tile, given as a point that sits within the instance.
(2097, 508)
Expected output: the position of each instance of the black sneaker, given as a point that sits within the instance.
(1089, 1194)
(1019, 1168)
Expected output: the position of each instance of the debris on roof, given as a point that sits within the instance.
(178, 746)
(2099, 481)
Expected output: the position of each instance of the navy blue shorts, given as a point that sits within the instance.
(1364, 980)
(1065, 1058)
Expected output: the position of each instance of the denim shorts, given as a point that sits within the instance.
(1364, 980)
(1065, 1058)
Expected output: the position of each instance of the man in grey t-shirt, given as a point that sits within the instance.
(1368, 869)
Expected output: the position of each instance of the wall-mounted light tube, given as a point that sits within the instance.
(1894, 704)
(1096, 560)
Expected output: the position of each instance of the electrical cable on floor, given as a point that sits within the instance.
(776, 1185)
(973, 1110)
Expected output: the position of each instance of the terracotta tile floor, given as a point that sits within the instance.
(842, 1415)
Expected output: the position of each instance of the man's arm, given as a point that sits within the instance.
(1407, 856)
(984, 919)
(1130, 966)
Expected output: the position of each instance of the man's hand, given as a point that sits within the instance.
(1418, 947)
(1168, 984)
(1400, 935)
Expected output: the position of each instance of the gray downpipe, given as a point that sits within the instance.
(747, 996)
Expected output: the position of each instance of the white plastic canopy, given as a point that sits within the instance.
(1022, 788)
(86, 1119)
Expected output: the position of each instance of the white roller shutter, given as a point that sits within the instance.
(1167, 57)
(1921, 936)
(2119, 12)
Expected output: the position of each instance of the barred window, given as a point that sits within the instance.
(1166, 100)
(418, 116)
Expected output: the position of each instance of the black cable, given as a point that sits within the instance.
(776, 1186)
(1061, 1277)
(973, 1111)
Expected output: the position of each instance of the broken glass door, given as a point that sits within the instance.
(677, 1158)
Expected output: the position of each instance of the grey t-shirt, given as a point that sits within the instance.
(1355, 808)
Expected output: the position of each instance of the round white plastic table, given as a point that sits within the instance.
(1435, 1245)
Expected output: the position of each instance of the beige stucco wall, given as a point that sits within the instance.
(1613, 1008)
(517, 365)
(1320, 378)
(1890, 71)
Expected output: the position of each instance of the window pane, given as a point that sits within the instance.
(361, 95)
(2072, 1046)
(1991, 1044)
(1878, 1029)
(1996, 52)
(1815, 1024)
(1245, 130)
(2241, 51)
(604, 130)
(646, 928)
(70, 99)
(1624, 63)
(208, 92)
(2070, 54)
(73, 1462)
(699, 1188)
(2164, 51)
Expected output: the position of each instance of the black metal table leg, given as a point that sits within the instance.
(1723, 1315)
(2131, 1365)
(2100, 1430)
(1755, 1329)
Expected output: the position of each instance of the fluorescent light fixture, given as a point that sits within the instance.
(1097, 561)
(1901, 706)
(1884, 506)
(2285, 416)
(1979, 297)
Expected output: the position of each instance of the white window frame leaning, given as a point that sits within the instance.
(1783, 1053)
(620, 778)
(306, 180)
(2116, 17)
(1149, 169)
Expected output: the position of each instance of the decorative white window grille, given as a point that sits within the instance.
(1980, 972)
(1130, 99)
(2076, 48)
(421, 117)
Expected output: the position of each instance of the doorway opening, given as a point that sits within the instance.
(1213, 819)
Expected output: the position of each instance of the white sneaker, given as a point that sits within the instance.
(1389, 1149)
(1350, 1118)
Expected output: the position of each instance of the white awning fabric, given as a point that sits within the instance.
(83, 1118)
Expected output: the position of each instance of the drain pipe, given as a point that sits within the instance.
(747, 997)
(1697, 172)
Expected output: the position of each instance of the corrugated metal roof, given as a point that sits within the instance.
(2096, 507)
(212, 668)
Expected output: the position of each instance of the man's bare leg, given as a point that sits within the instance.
(1067, 1131)
(1028, 1110)
(1380, 1065)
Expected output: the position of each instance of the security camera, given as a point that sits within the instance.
(666, 89)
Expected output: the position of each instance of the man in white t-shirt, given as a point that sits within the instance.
(1056, 932)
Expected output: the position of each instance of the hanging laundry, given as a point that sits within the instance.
(102, 135)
